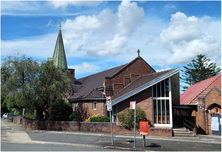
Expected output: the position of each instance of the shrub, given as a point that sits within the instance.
(16, 112)
(126, 117)
(97, 118)
(29, 117)
(75, 116)
(61, 111)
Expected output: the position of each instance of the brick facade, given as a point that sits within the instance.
(144, 101)
(134, 69)
(95, 127)
(209, 102)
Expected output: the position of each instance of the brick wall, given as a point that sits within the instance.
(134, 69)
(212, 102)
(98, 127)
(144, 101)
(89, 111)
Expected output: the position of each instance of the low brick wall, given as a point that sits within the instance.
(98, 127)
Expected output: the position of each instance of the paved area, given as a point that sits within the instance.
(13, 133)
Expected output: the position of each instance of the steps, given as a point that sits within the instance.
(182, 132)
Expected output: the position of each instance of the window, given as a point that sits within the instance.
(74, 107)
(94, 105)
(162, 103)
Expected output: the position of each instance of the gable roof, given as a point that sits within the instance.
(84, 86)
(195, 90)
(141, 83)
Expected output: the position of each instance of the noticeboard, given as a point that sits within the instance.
(144, 130)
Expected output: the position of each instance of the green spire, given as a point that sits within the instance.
(59, 55)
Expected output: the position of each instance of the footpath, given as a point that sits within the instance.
(14, 133)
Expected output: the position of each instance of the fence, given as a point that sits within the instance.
(98, 127)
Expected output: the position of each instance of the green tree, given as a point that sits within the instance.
(53, 83)
(61, 111)
(27, 84)
(126, 117)
(18, 78)
(198, 70)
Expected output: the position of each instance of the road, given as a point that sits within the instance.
(35, 147)
(16, 138)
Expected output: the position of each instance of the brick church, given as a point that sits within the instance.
(157, 93)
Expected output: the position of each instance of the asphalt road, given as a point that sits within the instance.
(16, 138)
(35, 147)
(127, 142)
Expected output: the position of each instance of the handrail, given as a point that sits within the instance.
(189, 125)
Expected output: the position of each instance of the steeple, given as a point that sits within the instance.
(59, 55)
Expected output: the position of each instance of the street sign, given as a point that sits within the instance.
(132, 105)
(108, 103)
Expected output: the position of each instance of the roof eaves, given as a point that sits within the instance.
(145, 86)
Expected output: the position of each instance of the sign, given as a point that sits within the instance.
(214, 124)
(108, 103)
(132, 105)
(108, 100)
(144, 131)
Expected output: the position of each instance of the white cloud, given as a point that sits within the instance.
(42, 46)
(19, 5)
(104, 34)
(185, 38)
(163, 69)
(84, 68)
(64, 4)
(50, 22)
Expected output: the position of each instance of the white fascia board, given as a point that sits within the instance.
(145, 86)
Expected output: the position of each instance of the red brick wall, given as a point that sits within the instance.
(101, 108)
(132, 71)
(98, 127)
(144, 101)
(211, 102)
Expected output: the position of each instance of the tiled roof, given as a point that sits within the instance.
(85, 85)
(140, 81)
(95, 94)
(193, 91)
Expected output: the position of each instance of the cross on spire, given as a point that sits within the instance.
(138, 51)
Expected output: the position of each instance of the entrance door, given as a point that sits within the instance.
(215, 125)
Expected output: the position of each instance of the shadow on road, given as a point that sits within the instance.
(154, 145)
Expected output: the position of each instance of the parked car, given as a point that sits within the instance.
(5, 116)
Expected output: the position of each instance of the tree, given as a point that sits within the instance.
(126, 117)
(61, 111)
(53, 83)
(199, 70)
(27, 84)
(18, 78)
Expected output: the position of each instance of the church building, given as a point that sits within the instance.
(154, 92)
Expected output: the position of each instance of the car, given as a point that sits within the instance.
(5, 116)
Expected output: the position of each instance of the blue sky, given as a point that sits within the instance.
(99, 35)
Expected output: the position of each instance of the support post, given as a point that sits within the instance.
(144, 141)
(135, 126)
(111, 126)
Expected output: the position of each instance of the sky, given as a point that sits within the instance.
(99, 35)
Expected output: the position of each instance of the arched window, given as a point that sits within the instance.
(94, 105)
